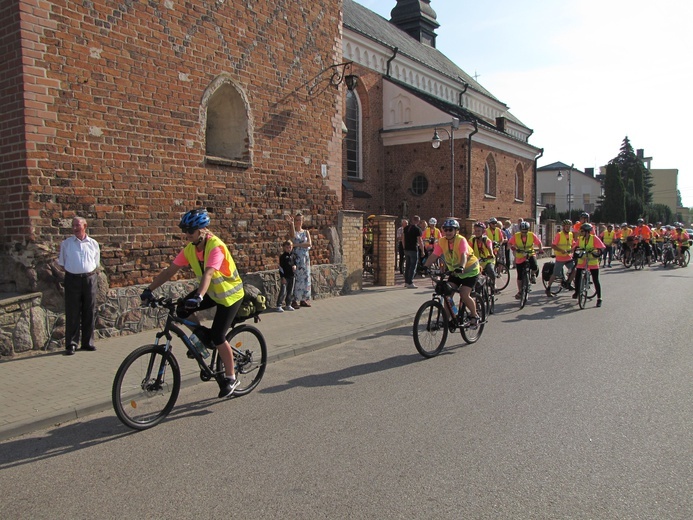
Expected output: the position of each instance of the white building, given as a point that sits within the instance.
(557, 184)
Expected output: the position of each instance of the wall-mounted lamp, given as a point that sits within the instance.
(341, 73)
(560, 177)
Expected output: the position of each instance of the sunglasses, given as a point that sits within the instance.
(448, 229)
(188, 231)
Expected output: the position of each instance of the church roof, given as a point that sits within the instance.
(371, 25)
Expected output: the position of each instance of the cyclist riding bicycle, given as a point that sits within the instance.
(495, 233)
(644, 234)
(483, 250)
(220, 286)
(562, 246)
(680, 238)
(523, 244)
(592, 247)
(458, 255)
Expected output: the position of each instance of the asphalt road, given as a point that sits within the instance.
(554, 413)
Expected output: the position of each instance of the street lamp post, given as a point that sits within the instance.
(570, 189)
(435, 142)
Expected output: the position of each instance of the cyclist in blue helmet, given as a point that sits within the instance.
(219, 286)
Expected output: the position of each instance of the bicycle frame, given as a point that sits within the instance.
(207, 373)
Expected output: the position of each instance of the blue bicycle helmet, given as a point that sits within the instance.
(451, 222)
(194, 219)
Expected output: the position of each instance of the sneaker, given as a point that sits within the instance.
(227, 387)
(518, 296)
(290, 308)
(574, 296)
(599, 303)
(549, 293)
(410, 286)
(474, 322)
(533, 278)
(280, 309)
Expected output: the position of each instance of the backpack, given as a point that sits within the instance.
(253, 303)
(547, 270)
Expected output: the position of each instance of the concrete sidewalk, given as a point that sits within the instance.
(41, 391)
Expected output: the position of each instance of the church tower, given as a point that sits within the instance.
(417, 18)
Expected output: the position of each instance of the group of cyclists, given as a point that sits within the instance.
(576, 247)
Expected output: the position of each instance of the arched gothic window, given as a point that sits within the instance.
(490, 176)
(353, 136)
(519, 183)
(226, 134)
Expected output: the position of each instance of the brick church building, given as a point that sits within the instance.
(408, 90)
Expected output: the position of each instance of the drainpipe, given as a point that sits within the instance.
(469, 169)
(534, 187)
(459, 100)
(395, 51)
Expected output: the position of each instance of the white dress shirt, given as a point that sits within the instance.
(79, 256)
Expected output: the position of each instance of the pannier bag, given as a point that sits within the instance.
(253, 303)
(547, 270)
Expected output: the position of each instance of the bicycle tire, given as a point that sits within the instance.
(685, 258)
(524, 289)
(250, 365)
(582, 295)
(491, 300)
(472, 336)
(430, 328)
(502, 276)
(628, 260)
(141, 401)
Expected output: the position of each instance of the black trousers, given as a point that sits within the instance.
(80, 309)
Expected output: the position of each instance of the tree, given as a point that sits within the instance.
(637, 184)
(613, 206)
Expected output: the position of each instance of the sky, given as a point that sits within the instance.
(583, 74)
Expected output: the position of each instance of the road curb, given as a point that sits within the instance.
(58, 417)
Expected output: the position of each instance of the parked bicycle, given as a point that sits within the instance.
(436, 317)
(147, 384)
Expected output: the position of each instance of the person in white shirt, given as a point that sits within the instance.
(80, 257)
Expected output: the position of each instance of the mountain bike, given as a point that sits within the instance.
(639, 257)
(668, 252)
(560, 282)
(147, 384)
(502, 271)
(525, 276)
(485, 288)
(436, 317)
(585, 291)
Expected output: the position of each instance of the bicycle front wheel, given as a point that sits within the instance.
(430, 328)
(249, 355)
(524, 291)
(470, 335)
(584, 289)
(146, 387)
(685, 258)
(502, 276)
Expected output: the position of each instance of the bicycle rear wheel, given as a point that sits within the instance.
(685, 258)
(472, 335)
(146, 387)
(249, 356)
(502, 276)
(430, 328)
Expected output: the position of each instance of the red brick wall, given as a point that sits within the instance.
(13, 180)
(113, 115)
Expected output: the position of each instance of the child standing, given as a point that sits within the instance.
(287, 266)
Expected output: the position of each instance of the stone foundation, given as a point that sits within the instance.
(27, 326)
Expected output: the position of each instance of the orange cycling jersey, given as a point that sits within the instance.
(644, 232)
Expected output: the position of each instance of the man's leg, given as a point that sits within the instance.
(89, 294)
(73, 304)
